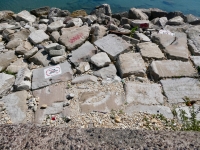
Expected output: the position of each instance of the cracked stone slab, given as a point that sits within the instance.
(143, 93)
(53, 96)
(99, 101)
(131, 64)
(153, 109)
(150, 50)
(171, 68)
(16, 106)
(112, 45)
(6, 82)
(177, 89)
(49, 75)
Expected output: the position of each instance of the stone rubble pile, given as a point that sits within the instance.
(57, 66)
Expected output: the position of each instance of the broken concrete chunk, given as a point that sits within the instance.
(16, 66)
(171, 68)
(60, 52)
(58, 59)
(38, 36)
(137, 14)
(142, 37)
(49, 75)
(130, 39)
(100, 60)
(30, 53)
(6, 82)
(6, 58)
(40, 58)
(195, 60)
(55, 26)
(131, 64)
(25, 16)
(106, 72)
(112, 45)
(177, 89)
(83, 67)
(143, 93)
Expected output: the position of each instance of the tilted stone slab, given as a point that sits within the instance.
(84, 79)
(178, 49)
(195, 60)
(49, 75)
(171, 68)
(153, 109)
(74, 37)
(83, 53)
(150, 50)
(6, 82)
(194, 39)
(16, 107)
(6, 58)
(143, 93)
(25, 16)
(131, 64)
(38, 36)
(17, 65)
(112, 45)
(177, 89)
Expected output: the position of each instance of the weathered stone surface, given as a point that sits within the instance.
(171, 68)
(178, 49)
(49, 75)
(93, 101)
(78, 13)
(42, 27)
(74, 36)
(16, 106)
(130, 39)
(143, 93)
(25, 16)
(112, 45)
(17, 65)
(97, 31)
(55, 26)
(6, 82)
(131, 64)
(154, 109)
(195, 60)
(178, 20)
(13, 43)
(74, 22)
(142, 37)
(6, 14)
(38, 36)
(194, 43)
(58, 59)
(137, 14)
(83, 67)
(51, 46)
(6, 58)
(84, 79)
(40, 11)
(188, 112)
(83, 53)
(40, 58)
(140, 23)
(22, 34)
(53, 96)
(177, 89)
(55, 35)
(150, 50)
(23, 78)
(23, 48)
(162, 21)
(163, 40)
(57, 52)
(102, 9)
(106, 72)
(100, 59)
(31, 52)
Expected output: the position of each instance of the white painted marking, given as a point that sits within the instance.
(52, 71)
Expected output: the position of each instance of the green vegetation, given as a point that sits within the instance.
(133, 31)
(9, 72)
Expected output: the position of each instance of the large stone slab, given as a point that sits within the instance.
(177, 89)
(178, 49)
(143, 93)
(83, 53)
(74, 37)
(154, 109)
(49, 75)
(38, 36)
(150, 50)
(6, 58)
(99, 101)
(5, 26)
(6, 82)
(25, 16)
(55, 26)
(137, 14)
(100, 60)
(194, 39)
(40, 58)
(106, 72)
(16, 66)
(171, 68)
(131, 64)
(53, 96)
(16, 107)
(112, 45)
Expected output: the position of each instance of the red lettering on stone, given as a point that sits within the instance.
(144, 25)
(76, 37)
